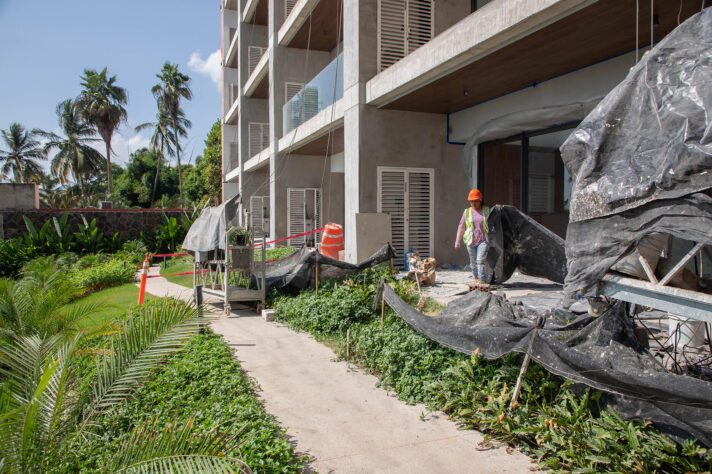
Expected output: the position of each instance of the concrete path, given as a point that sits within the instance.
(335, 412)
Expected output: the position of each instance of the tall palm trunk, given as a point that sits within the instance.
(180, 171)
(108, 164)
(155, 179)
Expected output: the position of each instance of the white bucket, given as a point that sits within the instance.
(691, 334)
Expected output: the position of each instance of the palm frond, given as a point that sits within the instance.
(189, 463)
(161, 328)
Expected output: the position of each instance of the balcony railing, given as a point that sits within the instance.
(325, 89)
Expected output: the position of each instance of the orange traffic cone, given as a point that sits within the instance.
(144, 276)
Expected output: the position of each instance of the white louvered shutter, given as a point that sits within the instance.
(419, 217)
(419, 21)
(541, 194)
(258, 136)
(407, 195)
(257, 215)
(289, 6)
(317, 216)
(391, 32)
(296, 210)
(291, 89)
(403, 27)
(391, 200)
(254, 53)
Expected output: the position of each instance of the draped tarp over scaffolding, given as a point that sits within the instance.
(298, 270)
(601, 352)
(642, 159)
(208, 231)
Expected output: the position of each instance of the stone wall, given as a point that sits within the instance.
(127, 222)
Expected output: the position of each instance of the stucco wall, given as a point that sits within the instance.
(127, 222)
(416, 140)
(19, 196)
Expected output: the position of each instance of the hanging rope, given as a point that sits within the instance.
(637, 21)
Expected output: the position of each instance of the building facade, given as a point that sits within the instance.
(332, 108)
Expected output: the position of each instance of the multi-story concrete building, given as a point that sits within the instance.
(333, 108)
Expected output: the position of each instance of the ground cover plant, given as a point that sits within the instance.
(205, 385)
(563, 426)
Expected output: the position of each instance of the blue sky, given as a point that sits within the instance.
(47, 44)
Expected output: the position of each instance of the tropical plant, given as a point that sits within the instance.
(47, 408)
(36, 305)
(101, 103)
(20, 160)
(173, 87)
(89, 239)
(74, 156)
(52, 237)
(13, 254)
(163, 139)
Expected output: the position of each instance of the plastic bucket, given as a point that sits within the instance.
(691, 333)
(332, 240)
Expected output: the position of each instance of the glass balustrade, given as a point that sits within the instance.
(322, 91)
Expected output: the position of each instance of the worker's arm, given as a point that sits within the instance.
(460, 230)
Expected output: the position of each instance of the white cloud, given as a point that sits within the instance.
(122, 147)
(209, 66)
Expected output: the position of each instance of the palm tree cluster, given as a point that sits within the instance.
(78, 171)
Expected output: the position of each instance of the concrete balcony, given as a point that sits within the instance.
(294, 32)
(230, 4)
(255, 12)
(314, 129)
(230, 59)
(231, 116)
(257, 84)
(258, 161)
(233, 176)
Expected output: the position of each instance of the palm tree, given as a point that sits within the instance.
(173, 87)
(74, 154)
(22, 155)
(163, 140)
(101, 103)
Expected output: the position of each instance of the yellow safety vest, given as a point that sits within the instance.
(470, 228)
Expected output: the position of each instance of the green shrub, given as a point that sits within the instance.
(13, 255)
(103, 275)
(91, 260)
(202, 381)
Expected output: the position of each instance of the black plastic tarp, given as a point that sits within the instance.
(642, 159)
(518, 242)
(298, 270)
(601, 352)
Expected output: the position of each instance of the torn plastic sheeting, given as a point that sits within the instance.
(602, 353)
(651, 136)
(522, 121)
(298, 270)
(518, 242)
(642, 160)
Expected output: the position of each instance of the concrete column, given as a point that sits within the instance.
(359, 66)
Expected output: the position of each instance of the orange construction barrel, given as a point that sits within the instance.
(332, 240)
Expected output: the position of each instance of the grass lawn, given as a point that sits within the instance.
(180, 265)
(117, 299)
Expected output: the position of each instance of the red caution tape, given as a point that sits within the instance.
(292, 237)
(169, 255)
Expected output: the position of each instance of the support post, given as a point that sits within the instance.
(383, 305)
(199, 305)
(317, 278)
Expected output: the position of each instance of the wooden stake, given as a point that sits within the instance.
(518, 386)
(383, 305)
(390, 266)
(317, 278)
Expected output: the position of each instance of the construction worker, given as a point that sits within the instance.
(473, 232)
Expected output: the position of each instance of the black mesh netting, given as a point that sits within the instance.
(600, 352)
(298, 270)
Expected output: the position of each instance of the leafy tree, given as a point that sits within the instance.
(210, 165)
(173, 87)
(102, 105)
(22, 155)
(134, 187)
(74, 154)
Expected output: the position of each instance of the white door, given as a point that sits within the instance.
(258, 215)
(304, 214)
(407, 195)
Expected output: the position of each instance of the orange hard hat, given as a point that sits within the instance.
(474, 195)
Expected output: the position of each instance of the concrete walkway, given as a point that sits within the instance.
(335, 412)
